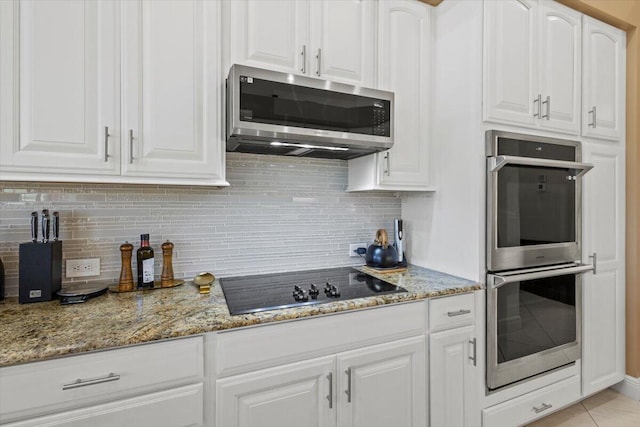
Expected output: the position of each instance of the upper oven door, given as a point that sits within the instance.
(534, 210)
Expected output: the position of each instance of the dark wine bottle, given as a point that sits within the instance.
(144, 257)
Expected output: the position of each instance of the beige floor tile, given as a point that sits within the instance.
(613, 400)
(611, 417)
(573, 416)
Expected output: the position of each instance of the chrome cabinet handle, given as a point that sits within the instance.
(475, 354)
(106, 143)
(330, 395)
(91, 381)
(548, 102)
(541, 408)
(348, 390)
(319, 59)
(539, 101)
(386, 163)
(593, 123)
(458, 313)
(130, 146)
(303, 69)
(495, 281)
(498, 162)
(594, 257)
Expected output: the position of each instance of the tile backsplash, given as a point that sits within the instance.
(278, 214)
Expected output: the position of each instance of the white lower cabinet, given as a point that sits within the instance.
(453, 356)
(376, 386)
(383, 385)
(453, 375)
(531, 406)
(293, 395)
(178, 407)
(160, 382)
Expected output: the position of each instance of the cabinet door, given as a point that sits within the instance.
(452, 378)
(269, 33)
(603, 293)
(294, 395)
(68, 70)
(343, 41)
(603, 107)
(172, 84)
(510, 79)
(560, 67)
(382, 386)
(179, 407)
(403, 67)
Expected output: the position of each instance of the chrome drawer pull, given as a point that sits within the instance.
(83, 383)
(474, 358)
(348, 390)
(330, 396)
(458, 313)
(106, 143)
(541, 408)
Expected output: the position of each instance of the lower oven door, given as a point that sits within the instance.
(533, 322)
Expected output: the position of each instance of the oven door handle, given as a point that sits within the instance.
(498, 162)
(497, 280)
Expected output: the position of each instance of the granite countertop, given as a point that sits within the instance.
(39, 331)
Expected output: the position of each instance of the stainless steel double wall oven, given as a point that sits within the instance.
(534, 230)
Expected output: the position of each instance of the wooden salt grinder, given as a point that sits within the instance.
(126, 275)
(166, 279)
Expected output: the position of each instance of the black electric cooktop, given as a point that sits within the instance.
(250, 294)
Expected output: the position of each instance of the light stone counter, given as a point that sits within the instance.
(39, 331)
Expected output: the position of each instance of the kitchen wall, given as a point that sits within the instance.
(278, 214)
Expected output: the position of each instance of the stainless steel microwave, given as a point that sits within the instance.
(270, 112)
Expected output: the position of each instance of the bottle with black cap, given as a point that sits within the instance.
(145, 261)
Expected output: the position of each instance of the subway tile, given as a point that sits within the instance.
(279, 214)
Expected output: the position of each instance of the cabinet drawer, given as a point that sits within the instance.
(178, 407)
(532, 405)
(450, 312)
(54, 385)
(270, 345)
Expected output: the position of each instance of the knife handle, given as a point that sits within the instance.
(56, 226)
(45, 225)
(34, 226)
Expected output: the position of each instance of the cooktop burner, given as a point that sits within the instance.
(250, 294)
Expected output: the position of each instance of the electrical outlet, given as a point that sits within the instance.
(83, 267)
(353, 247)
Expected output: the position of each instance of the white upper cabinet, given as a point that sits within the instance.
(403, 68)
(603, 91)
(171, 88)
(532, 65)
(72, 119)
(269, 33)
(330, 39)
(343, 41)
(67, 78)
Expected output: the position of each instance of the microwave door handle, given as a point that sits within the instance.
(498, 162)
(498, 280)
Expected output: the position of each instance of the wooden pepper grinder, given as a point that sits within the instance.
(166, 279)
(126, 275)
